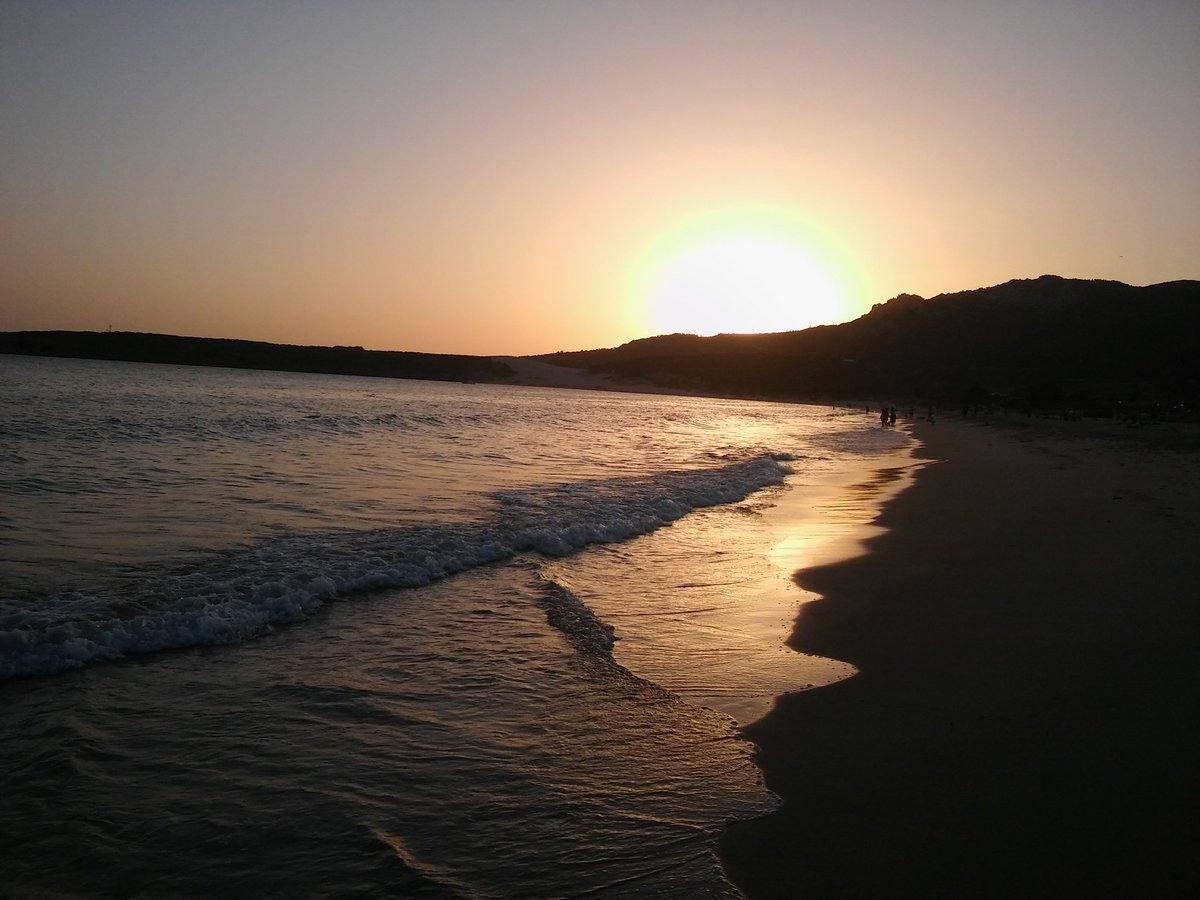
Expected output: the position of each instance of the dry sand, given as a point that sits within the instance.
(1025, 716)
(529, 372)
(535, 373)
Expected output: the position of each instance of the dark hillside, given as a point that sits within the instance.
(191, 351)
(1042, 342)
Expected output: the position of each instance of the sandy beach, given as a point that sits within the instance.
(1024, 714)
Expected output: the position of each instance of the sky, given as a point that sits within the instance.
(522, 177)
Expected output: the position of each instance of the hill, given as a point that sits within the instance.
(1044, 342)
(220, 352)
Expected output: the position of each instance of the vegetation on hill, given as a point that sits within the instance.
(1045, 343)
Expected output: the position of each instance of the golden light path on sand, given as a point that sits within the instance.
(705, 608)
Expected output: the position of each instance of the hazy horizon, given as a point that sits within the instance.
(526, 177)
(236, 337)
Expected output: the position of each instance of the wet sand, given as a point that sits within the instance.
(1024, 718)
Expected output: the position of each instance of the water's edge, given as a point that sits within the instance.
(878, 484)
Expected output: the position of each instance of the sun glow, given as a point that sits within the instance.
(740, 279)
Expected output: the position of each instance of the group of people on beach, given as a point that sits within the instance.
(887, 414)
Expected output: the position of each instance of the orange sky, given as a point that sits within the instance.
(517, 177)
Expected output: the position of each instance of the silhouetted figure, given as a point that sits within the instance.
(883, 417)
(892, 416)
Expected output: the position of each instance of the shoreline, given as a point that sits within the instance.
(1022, 716)
(724, 647)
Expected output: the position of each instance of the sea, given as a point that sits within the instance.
(276, 635)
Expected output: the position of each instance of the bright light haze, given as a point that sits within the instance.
(523, 177)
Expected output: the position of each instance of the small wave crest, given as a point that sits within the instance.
(284, 580)
(570, 615)
(592, 638)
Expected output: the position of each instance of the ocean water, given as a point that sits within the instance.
(276, 635)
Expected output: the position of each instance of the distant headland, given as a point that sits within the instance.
(1043, 343)
(130, 346)
(1047, 343)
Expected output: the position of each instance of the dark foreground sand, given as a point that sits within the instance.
(1025, 718)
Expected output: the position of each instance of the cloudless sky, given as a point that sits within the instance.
(506, 177)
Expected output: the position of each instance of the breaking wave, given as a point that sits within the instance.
(244, 593)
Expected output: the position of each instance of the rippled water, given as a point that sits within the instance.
(445, 713)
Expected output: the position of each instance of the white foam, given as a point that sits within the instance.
(284, 580)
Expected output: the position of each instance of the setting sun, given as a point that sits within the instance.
(743, 269)
(741, 280)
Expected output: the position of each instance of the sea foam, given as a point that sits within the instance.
(283, 580)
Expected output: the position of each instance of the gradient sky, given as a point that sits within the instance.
(515, 177)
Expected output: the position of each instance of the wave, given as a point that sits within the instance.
(592, 638)
(575, 619)
(284, 580)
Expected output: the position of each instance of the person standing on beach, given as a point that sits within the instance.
(883, 416)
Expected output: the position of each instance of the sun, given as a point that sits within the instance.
(741, 281)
